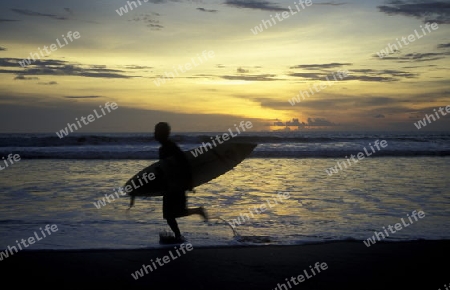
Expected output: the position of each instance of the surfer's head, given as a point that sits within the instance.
(162, 131)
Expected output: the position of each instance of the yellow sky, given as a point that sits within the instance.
(119, 58)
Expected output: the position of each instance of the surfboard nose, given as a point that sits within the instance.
(247, 148)
(240, 151)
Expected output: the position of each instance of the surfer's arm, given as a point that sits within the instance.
(188, 171)
(172, 149)
(181, 156)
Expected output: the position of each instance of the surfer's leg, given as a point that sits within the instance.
(172, 222)
(183, 210)
(169, 213)
(198, 210)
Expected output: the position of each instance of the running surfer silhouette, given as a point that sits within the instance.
(174, 197)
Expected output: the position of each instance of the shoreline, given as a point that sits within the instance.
(254, 155)
(350, 265)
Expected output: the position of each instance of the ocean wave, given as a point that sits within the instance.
(270, 145)
(78, 139)
(153, 154)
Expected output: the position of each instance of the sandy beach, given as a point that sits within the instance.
(350, 265)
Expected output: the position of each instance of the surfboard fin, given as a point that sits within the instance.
(131, 201)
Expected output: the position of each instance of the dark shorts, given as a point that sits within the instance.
(174, 204)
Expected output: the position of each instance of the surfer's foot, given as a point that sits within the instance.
(180, 239)
(198, 210)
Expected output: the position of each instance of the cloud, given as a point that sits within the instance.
(155, 26)
(61, 68)
(386, 72)
(207, 10)
(444, 45)
(10, 63)
(149, 19)
(82, 97)
(320, 66)
(137, 67)
(7, 20)
(379, 116)
(420, 113)
(73, 70)
(375, 101)
(429, 11)
(363, 75)
(331, 4)
(371, 79)
(294, 122)
(38, 108)
(278, 123)
(263, 77)
(33, 13)
(242, 71)
(269, 102)
(416, 57)
(311, 122)
(319, 122)
(48, 83)
(14, 62)
(68, 10)
(167, 1)
(255, 4)
(398, 73)
(364, 103)
(311, 76)
(22, 77)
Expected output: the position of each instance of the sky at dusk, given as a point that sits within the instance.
(200, 66)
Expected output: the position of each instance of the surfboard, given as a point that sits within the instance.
(212, 163)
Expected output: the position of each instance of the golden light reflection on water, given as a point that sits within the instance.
(357, 196)
(363, 198)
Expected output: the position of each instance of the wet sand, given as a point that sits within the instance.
(349, 265)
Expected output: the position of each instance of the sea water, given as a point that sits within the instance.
(281, 195)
